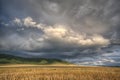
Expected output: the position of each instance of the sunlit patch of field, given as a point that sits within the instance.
(59, 73)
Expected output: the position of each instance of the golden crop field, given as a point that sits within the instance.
(59, 73)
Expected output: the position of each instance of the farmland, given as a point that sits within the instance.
(59, 73)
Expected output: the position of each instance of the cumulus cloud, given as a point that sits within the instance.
(17, 21)
(29, 22)
(58, 34)
(67, 35)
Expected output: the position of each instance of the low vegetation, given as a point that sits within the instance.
(59, 73)
(10, 59)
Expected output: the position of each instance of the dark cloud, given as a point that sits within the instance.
(80, 31)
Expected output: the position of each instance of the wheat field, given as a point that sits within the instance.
(59, 73)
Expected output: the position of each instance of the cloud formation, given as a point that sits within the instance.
(80, 31)
(62, 36)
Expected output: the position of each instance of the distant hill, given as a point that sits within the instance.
(10, 59)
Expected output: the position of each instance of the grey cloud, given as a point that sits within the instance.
(88, 29)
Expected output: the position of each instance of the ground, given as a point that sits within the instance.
(58, 72)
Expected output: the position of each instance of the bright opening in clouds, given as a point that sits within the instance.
(84, 32)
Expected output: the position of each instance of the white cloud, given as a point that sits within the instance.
(17, 21)
(66, 35)
(29, 22)
(63, 34)
(58, 35)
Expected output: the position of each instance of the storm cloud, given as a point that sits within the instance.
(78, 31)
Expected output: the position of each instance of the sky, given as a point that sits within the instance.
(84, 32)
